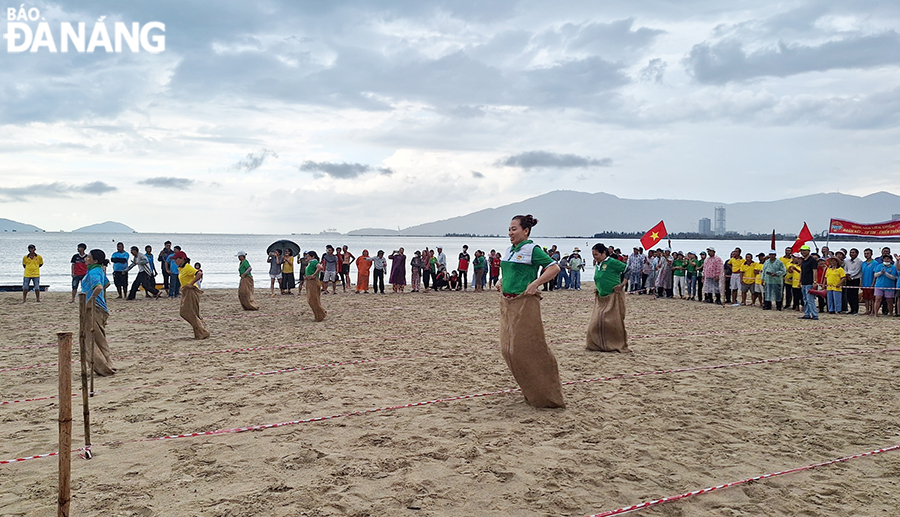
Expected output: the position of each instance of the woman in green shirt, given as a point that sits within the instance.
(606, 330)
(245, 288)
(479, 267)
(313, 286)
(522, 341)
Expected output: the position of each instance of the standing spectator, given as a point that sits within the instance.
(379, 264)
(144, 277)
(885, 275)
(164, 264)
(773, 273)
(835, 276)
(748, 280)
(648, 272)
(808, 267)
(148, 252)
(665, 275)
(274, 259)
(787, 260)
(398, 270)
(363, 264)
(634, 269)
(494, 267)
(796, 293)
(427, 255)
(172, 267)
(679, 273)
(562, 278)
(700, 264)
(713, 275)
(345, 267)
(79, 269)
(330, 262)
(690, 274)
(339, 253)
(868, 281)
(556, 256)
(463, 267)
(32, 264)
(441, 258)
(288, 281)
(415, 266)
(853, 268)
(94, 286)
(119, 261)
(245, 288)
(479, 267)
(576, 266)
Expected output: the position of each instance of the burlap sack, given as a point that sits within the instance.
(102, 353)
(314, 298)
(190, 310)
(245, 294)
(525, 351)
(606, 330)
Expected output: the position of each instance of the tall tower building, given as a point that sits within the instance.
(705, 227)
(720, 220)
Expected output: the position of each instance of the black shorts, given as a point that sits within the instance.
(120, 279)
(345, 269)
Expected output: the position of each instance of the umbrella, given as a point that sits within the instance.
(283, 245)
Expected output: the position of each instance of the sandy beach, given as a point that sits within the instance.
(621, 441)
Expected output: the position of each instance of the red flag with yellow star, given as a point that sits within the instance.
(656, 234)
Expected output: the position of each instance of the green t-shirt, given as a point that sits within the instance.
(608, 275)
(479, 263)
(678, 263)
(432, 263)
(245, 265)
(311, 267)
(520, 266)
(692, 266)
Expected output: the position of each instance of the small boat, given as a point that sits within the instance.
(17, 288)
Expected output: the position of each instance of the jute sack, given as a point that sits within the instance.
(190, 310)
(314, 297)
(245, 294)
(606, 330)
(525, 351)
(102, 353)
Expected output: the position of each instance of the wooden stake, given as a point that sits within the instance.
(83, 338)
(64, 341)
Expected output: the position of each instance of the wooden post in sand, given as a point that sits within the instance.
(85, 336)
(64, 340)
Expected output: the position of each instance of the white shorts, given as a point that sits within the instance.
(275, 277)
(330, 276)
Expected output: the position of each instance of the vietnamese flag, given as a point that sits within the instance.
(805, 235)
(656, 234)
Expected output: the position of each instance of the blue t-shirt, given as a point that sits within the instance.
(95, 277)
(868, 273)
(173, 267)
(883, 281)
(117, 259)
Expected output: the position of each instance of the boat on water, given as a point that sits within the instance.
(330, 231)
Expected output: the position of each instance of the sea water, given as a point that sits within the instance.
(216, 252)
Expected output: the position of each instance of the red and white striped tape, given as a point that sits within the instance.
(657, 502)
(465, 397)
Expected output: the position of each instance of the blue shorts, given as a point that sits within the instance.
(76, 281)
(36, 281)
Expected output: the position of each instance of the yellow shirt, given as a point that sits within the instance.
(287, 266)
(788, 276)
(736, 265)
(748, 273)
(833, 278)
(32, 266)
(757, 268)
(186, 274)
(795, 279)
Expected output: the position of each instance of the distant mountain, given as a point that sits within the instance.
(374, 231)
(566, 213)
(107, 227)
(8, 225)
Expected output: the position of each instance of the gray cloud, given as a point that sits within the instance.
(341, 170)
(253, 161)
(727, 60)
(654, 71)
(168, 182)
(56, 189)
(546, 160)
(477, 175)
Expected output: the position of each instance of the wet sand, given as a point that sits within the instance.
(619, 442)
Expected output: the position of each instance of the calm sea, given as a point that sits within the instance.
(216, 251)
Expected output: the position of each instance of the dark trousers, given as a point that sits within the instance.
(464, 278)
(120, 280)
(797, 294)
(145, 280)
(165, 275)
(852, 295)
(378, 278)
(728, 289)
(788, 295)
(426, 277)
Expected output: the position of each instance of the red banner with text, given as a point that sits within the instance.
(887, 229)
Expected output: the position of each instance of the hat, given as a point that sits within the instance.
(804, 247)
(773, 252)
(797, 255)
(703, 253)
(241, 254)
(576, 250)
(179, 255)
(710, 249)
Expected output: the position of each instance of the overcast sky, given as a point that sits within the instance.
(295, 116)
